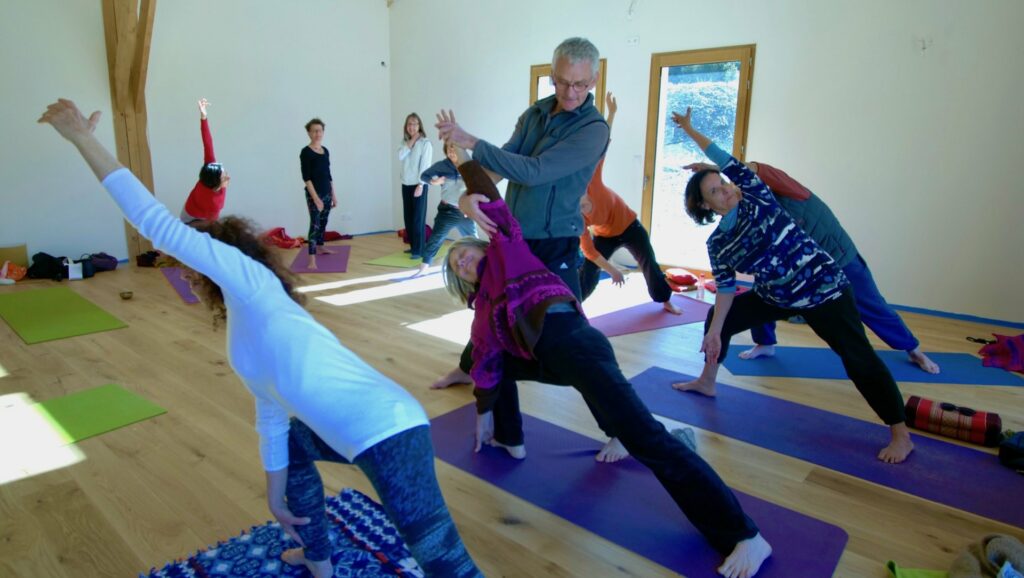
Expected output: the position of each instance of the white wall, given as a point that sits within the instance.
(914, 150)
(267, 67)
(48, 197)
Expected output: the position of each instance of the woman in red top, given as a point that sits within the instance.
(611, 224)
(206, 200)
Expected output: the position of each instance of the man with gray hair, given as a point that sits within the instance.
(548, 161)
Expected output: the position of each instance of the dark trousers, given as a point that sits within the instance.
(561, 255)
(401, 469)
(636, 240)
(838, 323)
(448, 217)
(317, 222)
(874, 311)
(571, 352)
(414, 215)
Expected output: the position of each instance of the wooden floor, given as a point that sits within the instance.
(163, 488)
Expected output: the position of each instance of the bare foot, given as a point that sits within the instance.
(758, 351)
(421, 270)
(296, 557)
(899, 447)
(746, 558)
(922, 361)
(518, 452)
(672, 307)
(311, 264)
(612, 451)
(451, 378)
(700, 385)
(322, 250)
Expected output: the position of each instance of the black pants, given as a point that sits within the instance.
(636, 240)
(838, 323)
(414, 215)
(317, 222)
(561, 255)
(571, 352)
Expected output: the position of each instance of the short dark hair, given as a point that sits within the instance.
(694, 199)
(211, 174)
(313, 121)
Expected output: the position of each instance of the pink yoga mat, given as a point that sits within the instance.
(651, 315)
(336, 262)
(181, 287)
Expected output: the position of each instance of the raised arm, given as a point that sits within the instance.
(611, 105)
(204, 129)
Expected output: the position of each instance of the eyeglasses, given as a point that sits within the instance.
(214, 166)
(578, 86)
(966, 411)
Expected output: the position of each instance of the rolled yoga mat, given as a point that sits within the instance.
(821, 363)
(624, 503)
(650, 315)
(54, 313)
(180, 285)
(335, 262)
(943, 472)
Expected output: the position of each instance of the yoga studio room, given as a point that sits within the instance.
(463, 288)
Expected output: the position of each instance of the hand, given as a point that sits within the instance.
(334, 201)
(64, 116)
(318, 204)
(683, 120)
(470, 205)
(437, 181)
(419, 190)
(203, 103)
(288, 521)
(484, 430)
(618, 278)
(698, 167)
(450, 131)
(610, 104)
(712, 346)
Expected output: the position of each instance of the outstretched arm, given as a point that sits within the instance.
(611, 105)
(64, 116)
(204, 128)
(683, 122)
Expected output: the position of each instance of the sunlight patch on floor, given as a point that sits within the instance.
(397, 275)
(30, 443)
(386, 291)
(452, 327)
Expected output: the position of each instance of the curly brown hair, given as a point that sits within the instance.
(241, 234)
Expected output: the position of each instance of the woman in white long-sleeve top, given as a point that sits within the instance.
(416, 155)
(341, 409)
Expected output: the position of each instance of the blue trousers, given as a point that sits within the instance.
(571, 352)
(874, 311)
(401, 469)
(448, 217)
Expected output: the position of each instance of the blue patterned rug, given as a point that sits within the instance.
(365, 545)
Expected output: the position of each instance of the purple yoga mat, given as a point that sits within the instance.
(336, 262)
(943, 472)
(650, 315)
(181, 287)
(625, 503)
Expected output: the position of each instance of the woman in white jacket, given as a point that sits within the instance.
(416, 155)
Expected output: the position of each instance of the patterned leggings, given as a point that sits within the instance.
(401, 469)
(317, 222)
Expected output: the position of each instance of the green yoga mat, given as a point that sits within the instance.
(88, 413)
(403, 261)
(55, 313)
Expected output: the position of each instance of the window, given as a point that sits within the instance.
(716, 84)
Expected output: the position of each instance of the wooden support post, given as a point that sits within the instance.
(128, 29)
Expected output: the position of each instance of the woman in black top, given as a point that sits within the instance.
(320, 198)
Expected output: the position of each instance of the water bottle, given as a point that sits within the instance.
(700, 287)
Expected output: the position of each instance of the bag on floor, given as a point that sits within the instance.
(46, 266)
(1005, 353)
(103, 262)
(962, 423)
(1011, 452)
(88, 268)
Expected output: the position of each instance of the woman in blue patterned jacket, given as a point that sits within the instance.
(793, 276)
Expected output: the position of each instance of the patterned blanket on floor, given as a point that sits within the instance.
(365, 545)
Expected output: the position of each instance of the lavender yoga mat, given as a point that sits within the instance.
(943, 472)
(821, 363)
(181, 286)
(336, 262)
(650, 315)
(625, 503)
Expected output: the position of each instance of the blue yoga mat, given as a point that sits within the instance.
(947, 473)
(624, 503)
(818, 363)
